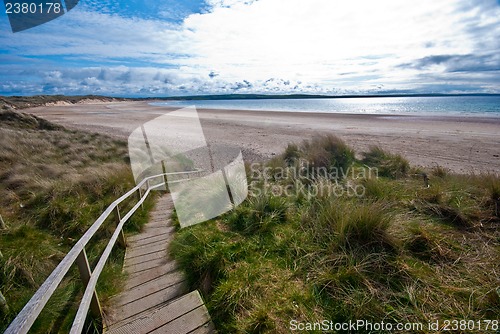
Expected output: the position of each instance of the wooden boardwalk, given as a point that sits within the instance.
(156, 299)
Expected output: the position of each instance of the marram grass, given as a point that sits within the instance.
(402, 252)
(54, 183)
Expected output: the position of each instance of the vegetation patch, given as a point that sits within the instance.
(389, 165)
(402, 251)
(54, 183)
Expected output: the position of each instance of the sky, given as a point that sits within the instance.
(177, 47)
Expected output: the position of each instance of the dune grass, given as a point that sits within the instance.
(401, 252)
(54, 183)
(23, 102)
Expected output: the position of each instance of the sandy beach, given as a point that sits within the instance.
(461, 144)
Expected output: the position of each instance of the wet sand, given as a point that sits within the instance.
(461, 144)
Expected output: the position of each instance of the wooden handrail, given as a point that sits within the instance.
(25, 319)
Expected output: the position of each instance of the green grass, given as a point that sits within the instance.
(388, 164)
(402, 252)
(54, 183)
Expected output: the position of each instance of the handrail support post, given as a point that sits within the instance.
(140, 197)
(164, 168)
(84, 268)
(122, 241)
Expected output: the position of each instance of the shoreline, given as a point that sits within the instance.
(494, 116)
(461, 144)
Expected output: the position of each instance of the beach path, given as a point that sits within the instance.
(156, 297)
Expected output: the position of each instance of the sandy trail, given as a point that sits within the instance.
(462, 144)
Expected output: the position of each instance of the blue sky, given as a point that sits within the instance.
(175, 47)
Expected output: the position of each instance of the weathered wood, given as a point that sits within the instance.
(204, 329)
(137, 306)
(155, 318)
(145, 258)
(85, 273)
(79, 320)
(138, 279)
(25, 319)
(140, 267)
(162, 239)
(186, 323)
(149, 233)
(154, 300)
(122, 241)
(154, 248)
(139, 192)
(143, 291)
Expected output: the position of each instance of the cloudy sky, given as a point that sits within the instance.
(178, 47)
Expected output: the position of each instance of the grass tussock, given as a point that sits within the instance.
(388, 164)
(54, 184)
(398, 252)
(327, 151)
(440, 171)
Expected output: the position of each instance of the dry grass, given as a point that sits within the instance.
(388, 164)
(22, 102)
(54, 183)
(401, 253)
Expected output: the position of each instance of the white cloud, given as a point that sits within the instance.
(314, 46)
(318, 40)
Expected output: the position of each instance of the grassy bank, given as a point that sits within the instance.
(23, 102)
(54, 183)
(369, 239)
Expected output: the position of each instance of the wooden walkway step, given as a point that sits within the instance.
(156, 299)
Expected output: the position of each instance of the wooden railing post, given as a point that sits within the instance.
(140, 196)
(83, 266)
(121, 238)
(164, 174)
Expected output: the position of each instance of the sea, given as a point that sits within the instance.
(470, 106)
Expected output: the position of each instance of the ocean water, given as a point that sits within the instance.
(480, 106)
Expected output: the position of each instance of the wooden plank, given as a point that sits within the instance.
(163, 241)
(138, 279)
(154, 300)
(147, 241)
(150, 233)
(155, 318)
(156, 247)
(166, 276)
(159, 259)
(161, 214)
(81, 314)
(185, 324)
(155, 224)
(160, 254)
(25, 319)
(148, 288)
(140, 305)
(141, 267)
(204, 329)
(140, 239)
